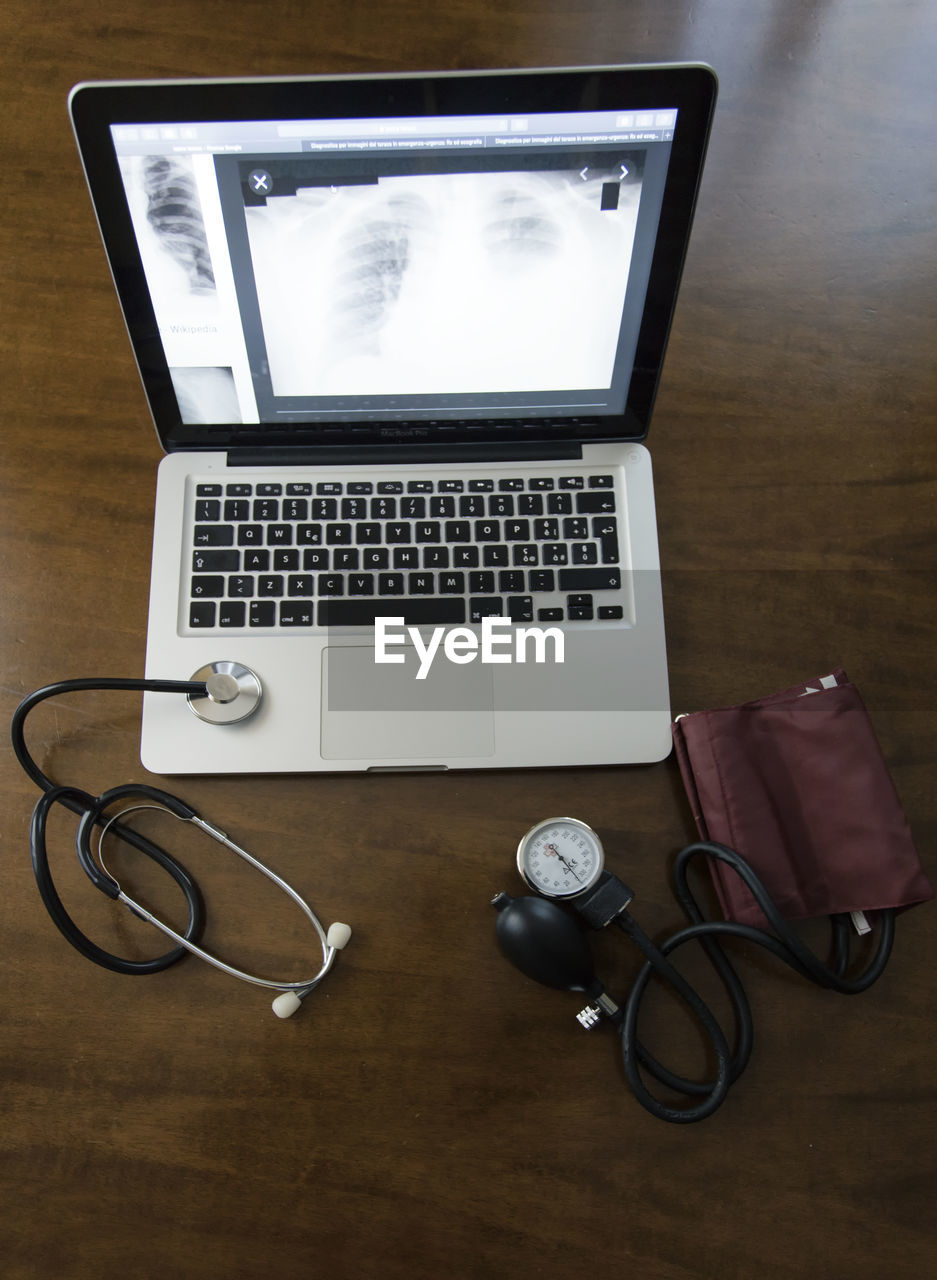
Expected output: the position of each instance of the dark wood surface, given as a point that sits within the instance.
(430, 1112)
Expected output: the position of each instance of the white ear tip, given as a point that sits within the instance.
(286, 1005)
(338, 935)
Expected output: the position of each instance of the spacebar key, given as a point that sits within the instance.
(415, 613)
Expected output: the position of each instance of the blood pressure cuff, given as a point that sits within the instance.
(797, 784)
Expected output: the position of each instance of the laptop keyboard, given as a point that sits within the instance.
(287, 555)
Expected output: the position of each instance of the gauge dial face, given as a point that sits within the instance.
(560, 857)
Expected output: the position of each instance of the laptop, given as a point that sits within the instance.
(401, 337)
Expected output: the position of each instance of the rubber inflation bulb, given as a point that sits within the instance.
(286, 1005)
(338, 935)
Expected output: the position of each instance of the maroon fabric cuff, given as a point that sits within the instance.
(797, 784)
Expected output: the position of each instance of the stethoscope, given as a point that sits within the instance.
(221, 693)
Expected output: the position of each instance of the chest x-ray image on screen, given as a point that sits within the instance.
(445, 283)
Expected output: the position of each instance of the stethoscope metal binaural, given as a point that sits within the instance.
(212, 695)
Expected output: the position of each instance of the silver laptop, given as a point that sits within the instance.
(401, 338)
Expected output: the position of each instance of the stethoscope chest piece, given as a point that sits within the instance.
(232, 693)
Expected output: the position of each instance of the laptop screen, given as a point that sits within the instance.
(378, 269)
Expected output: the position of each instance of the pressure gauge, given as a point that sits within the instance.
(560, 857)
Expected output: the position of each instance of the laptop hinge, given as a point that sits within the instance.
(397, 454)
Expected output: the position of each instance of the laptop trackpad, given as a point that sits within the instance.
(380, 711)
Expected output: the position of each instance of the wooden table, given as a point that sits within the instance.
(430, 1112)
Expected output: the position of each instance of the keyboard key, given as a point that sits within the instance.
(452, 583)
(239, 490)
(263, 613)
(579, 613)
(419, 486)
(526, 554)
(296, 613)
(316, 558)
(481, 486)
(299, 584)
(202, 614)
(390, 486)
(435, 557)
(485, 607)
(575, 528)
(487, 531)
(510, 486)
(406, 558)
(398, 532)
(585, 553)
(554, 553)
(328, 487)
(299, 490)
(375, 557)
(232, 613)
(441, 508)
(361, 584)
(450, 486)
(427, 531)
(266, 509)
(542, 580)
(571, 482)
(208, 509)
(309, 535)
(240, 585)
(590, 580)
(601, 482)
(250, 535)
(495, 555)
(390, 584)
(279, 535)
(324, 509)
(595, 504)
(338, 535)
(421, 584)
(530, 504)
(237, 509)
(269, 490)
(521, 608)
(605, 530)
(383, 508)
(214, 535)
(511, 580)
(345, 558)
(217, 561)
(549, 615)
(540, 482)
(482, 582)
(413, 508)
(518, 531)
(205, 585)
(270, 584)
(434, 610)
(501, 504)
(296, 509)
(361, 486)
(465, 557)
(559, 504)
(208, 490)
(547, 530)
(283, 558)
(331, 584)
(611, 611)
(471, 505)
(256, 560)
